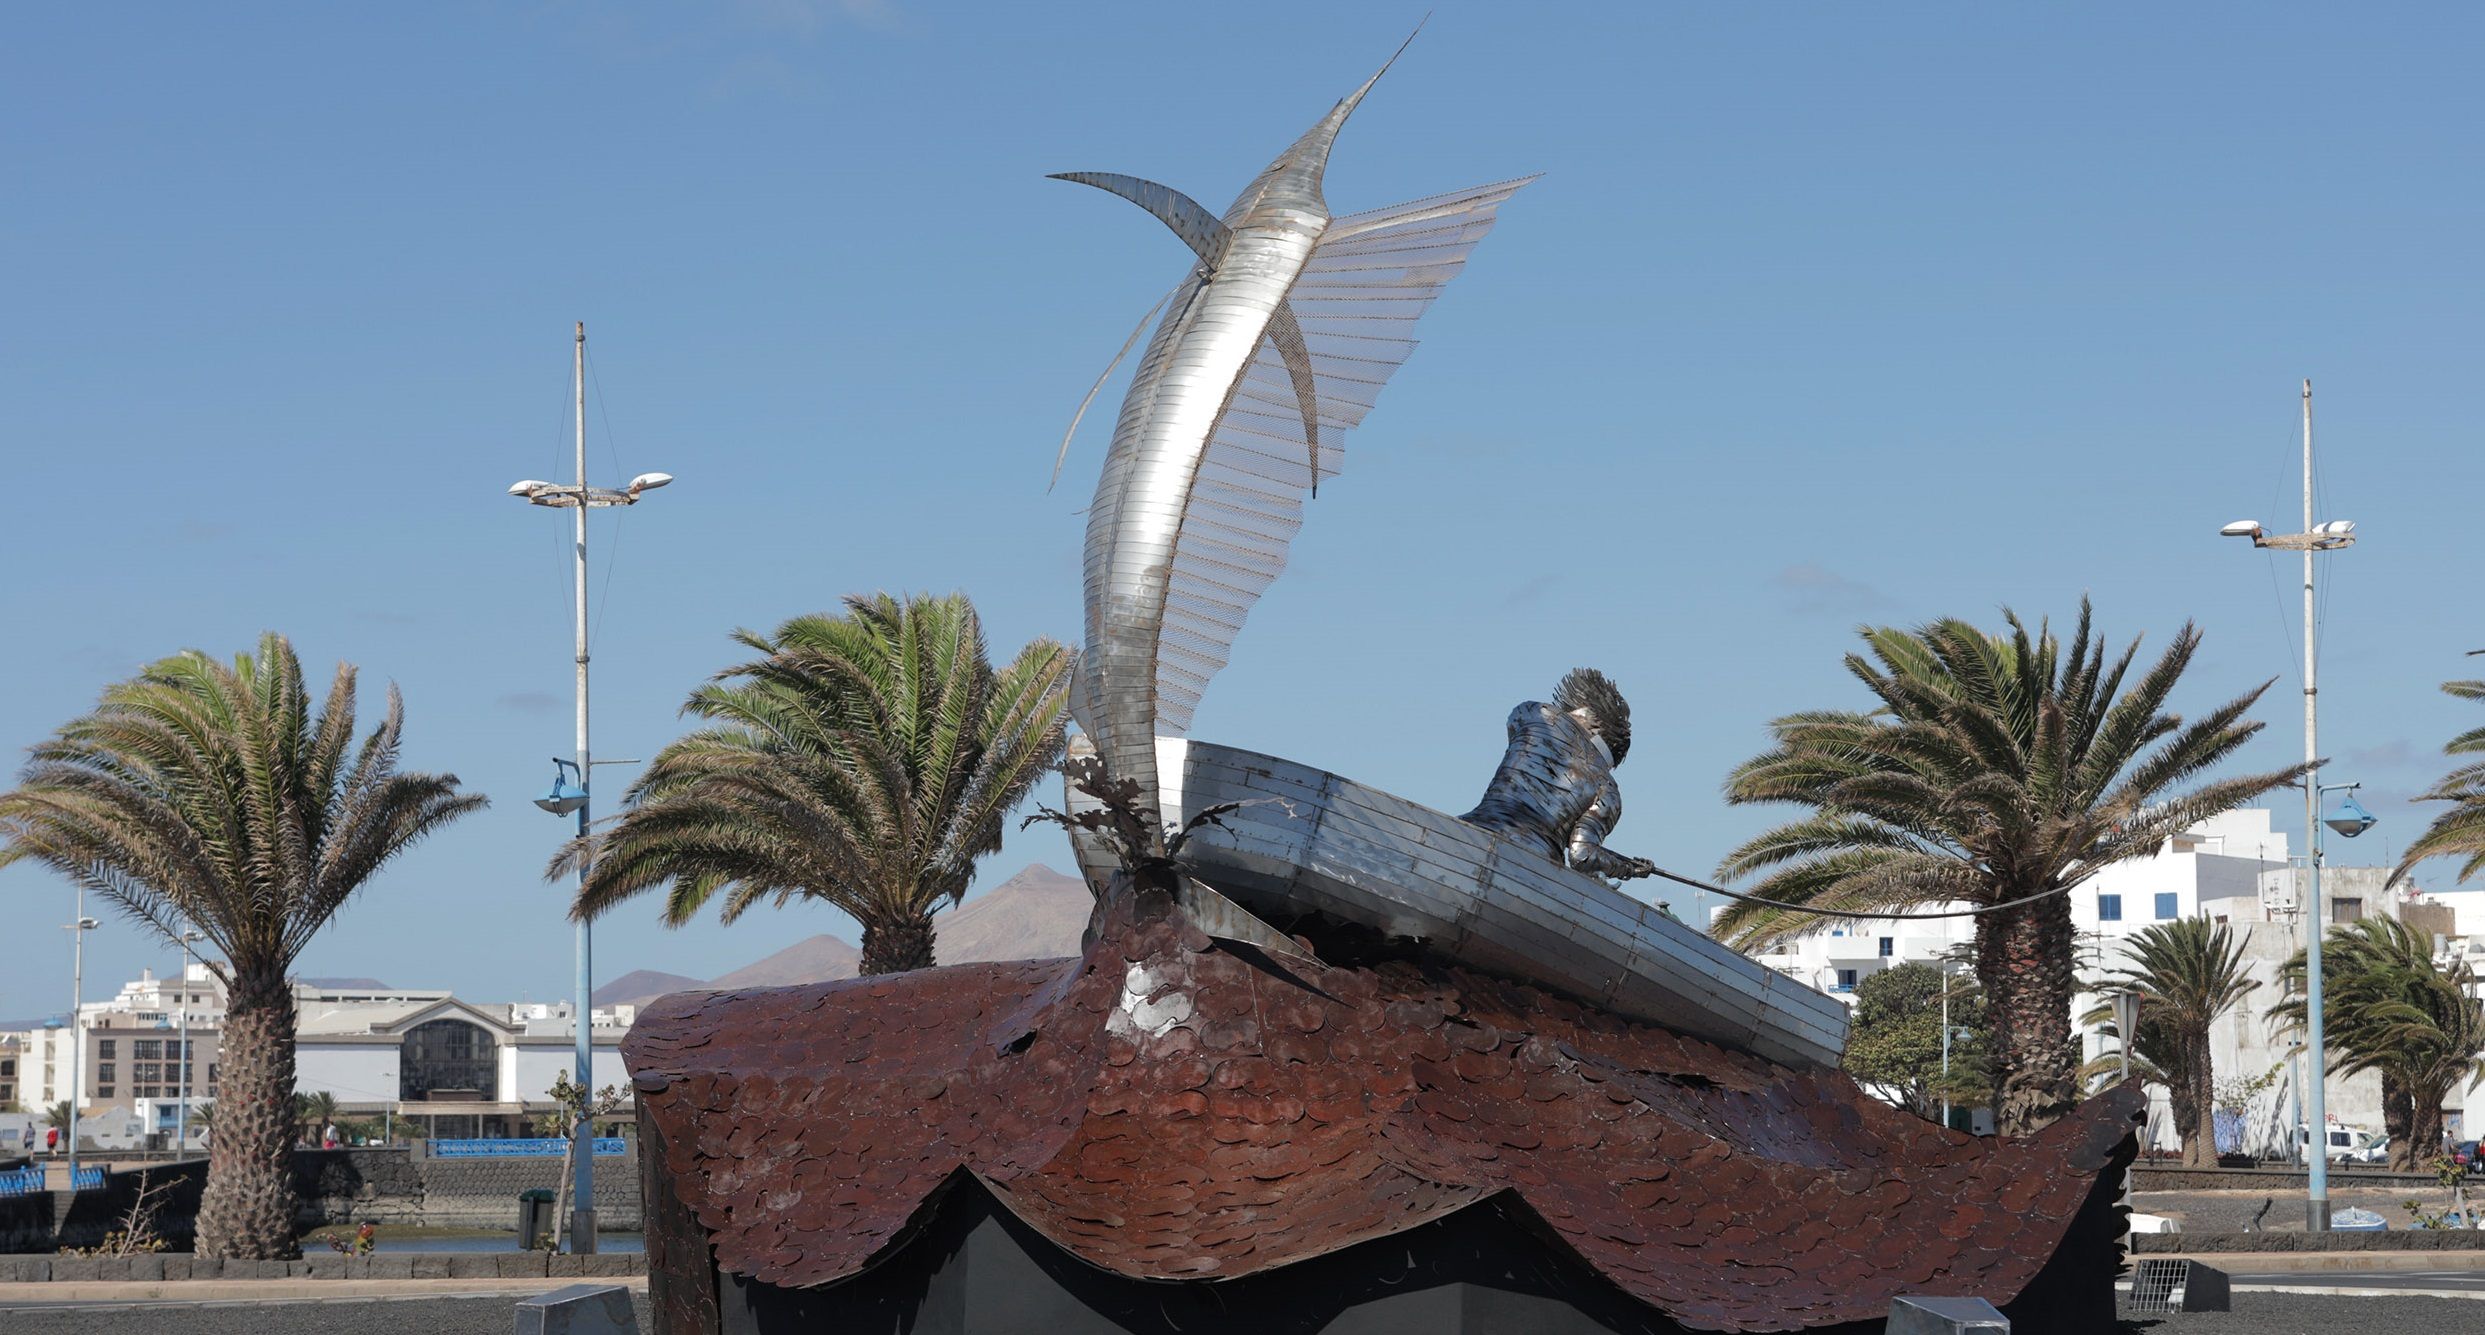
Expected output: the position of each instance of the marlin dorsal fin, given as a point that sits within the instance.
(1199, 229)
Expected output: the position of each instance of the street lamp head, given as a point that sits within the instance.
(528, 488)
(650, 481)
(2337, 528)
(86, 924)
(2241, 528)
(2351, 819)
(567, 795)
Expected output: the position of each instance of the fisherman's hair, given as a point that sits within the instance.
(1593, 691)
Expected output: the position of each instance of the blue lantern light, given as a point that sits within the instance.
(567, 794)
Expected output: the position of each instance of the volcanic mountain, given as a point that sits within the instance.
(1037, 914)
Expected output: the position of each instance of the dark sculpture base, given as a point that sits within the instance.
(1174, 1133)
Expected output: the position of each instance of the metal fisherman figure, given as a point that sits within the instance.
(1555, 790)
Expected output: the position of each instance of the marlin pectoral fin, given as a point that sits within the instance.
(1287, 334)
(1199, 229)
(1076, 417)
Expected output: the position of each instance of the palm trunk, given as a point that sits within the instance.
(897, 943)
(2191, 1099)
(2424, 1130)
(247, 1211)
(2023, 958)
(2398, 1122)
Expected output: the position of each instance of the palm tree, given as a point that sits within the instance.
(207, 795)
(866, 761)
(2389, 1008)
(1997, 771)
(2459, 831)
(58, 1116)
(313, 1114)
(2186, 973)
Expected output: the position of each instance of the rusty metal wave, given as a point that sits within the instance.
(1167, 1109)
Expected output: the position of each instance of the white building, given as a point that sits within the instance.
(2234, 869)
(449, 1067)
(445, 1066)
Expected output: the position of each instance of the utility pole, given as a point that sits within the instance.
(565, 798)
(2327, 537)
(78, 928)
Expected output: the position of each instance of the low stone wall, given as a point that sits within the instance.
(2268, 1179)
(26, 1222)
(387, 1265)
(347, 1187)
(47, 1221)
(2411, 1240)
(404, 1186)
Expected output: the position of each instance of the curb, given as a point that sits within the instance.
(263, 1290)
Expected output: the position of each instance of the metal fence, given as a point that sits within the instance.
(543, 1147)
(29, 1180)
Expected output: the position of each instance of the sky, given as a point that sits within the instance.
(1821, 315)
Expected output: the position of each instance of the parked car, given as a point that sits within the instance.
(2466, 1150)
(2351, 1144)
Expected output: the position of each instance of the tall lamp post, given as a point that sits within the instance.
(2316, 538)
(190, 937)
(568, 797)
(78, 928)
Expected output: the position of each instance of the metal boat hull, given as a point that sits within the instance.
(1316, 842)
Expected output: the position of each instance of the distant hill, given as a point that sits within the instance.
(819, 959)
(640, 986)
(1036, 915)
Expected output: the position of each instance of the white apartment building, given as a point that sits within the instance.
(2233, 868)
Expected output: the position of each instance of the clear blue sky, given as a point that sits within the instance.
(1821, 313)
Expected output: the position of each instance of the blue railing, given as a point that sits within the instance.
(21, 1181)
(88, 1179)
(542, 1147)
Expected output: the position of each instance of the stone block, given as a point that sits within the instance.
(112, 1269)
(564, 1265)
(25, 1269)
(176, 1265)
(520, 1265)
(146, 1269)
(608, 1264)
(579, 1309)
(327, 1265)
(473, 1265)
(1916, 1315)
(389, 1265)
(206, 1267)
(434, 1266)
(77, 1268)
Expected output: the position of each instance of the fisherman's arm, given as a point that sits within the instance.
(1587, 839)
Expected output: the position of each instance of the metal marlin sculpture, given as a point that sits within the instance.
(1272, 348)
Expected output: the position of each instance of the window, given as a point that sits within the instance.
(1889, 946)
(2165, 905)
(103, 1073)
(448, 1055)
(147, 1073)
(2109, 908)
(1846, 980)
(103, 1091)
(2346, 910)
(147, 1049)
(104, 1049)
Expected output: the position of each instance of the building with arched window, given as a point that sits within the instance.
(439, 1066)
